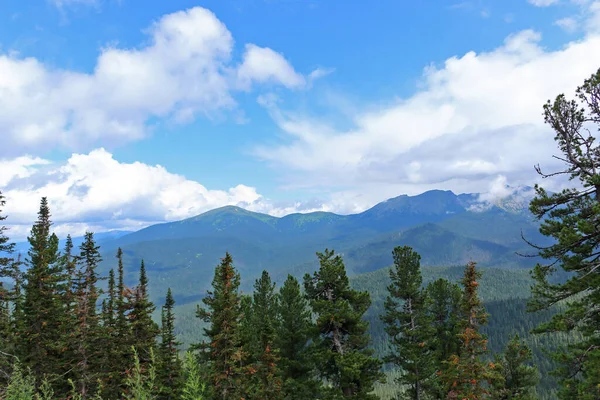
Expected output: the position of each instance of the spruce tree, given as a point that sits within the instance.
(88, 331)
(408, 324)
(223, 349)
(469, 376)
(294, 332)
(42, 314)
(264, 316)
(518, 376)
(170, 368)
(341, 348)
(69, 324)
(571, 218)
(6, 271)
(111, 364)
(143, 327)
(443, 308)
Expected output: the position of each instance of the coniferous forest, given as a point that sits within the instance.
(66, 332)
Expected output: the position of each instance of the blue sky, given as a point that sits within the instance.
(127, 112)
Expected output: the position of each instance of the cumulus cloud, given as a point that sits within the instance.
(264, 65)
(475, 117)
(184, 72)
(96, 192)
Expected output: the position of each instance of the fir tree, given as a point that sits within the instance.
(224, 349)
(443, 309)
(572, 218)
(264, 316)
(143, 328)
(408, 324)
(468, 375)
(518, 376)
(6, 271)
(111, 365)
(123, 337)
(341, 348)
(294, 333)
(169, 373)
(42, 313)
(69, 324)
(88, 331)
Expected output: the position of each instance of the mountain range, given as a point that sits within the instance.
(445, 228)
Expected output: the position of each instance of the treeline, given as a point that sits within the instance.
(65, 338)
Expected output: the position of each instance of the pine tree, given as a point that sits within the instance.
(443, 309)
(572, 218)
(88, 331)
(468, 375)
(408, 324)
(264, 316)
(518, 376)
(169, 373)
(294, 332)
(143, 327)
(42, 313)
(341, 349)
(224, 349)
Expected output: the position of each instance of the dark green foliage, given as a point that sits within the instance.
(408, 323)
(266, 382)
(170, 368)
(88, 332)
(444, 311)
(341, 348)
(468, 375)
(143, 329)
(6, 271)
(42, 314)
(572, 218)
(518, 376)
(223, 349)
(294, 332)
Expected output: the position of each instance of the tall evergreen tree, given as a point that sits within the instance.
(143, 327)
(572, 218)
(69, 324)
(42, 313)
(294, 332)
(443, 308)
(170, 368)
(88, 331)
(518, 376)
(6, 271)
(407, 323)
(224, 348)
(264, 317)
(469, 376)
(341, 349)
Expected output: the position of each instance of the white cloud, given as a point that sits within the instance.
(476, 117)
(543, 3)
(263, 65)
(96, 192)
(184, 72)
(568, 24)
